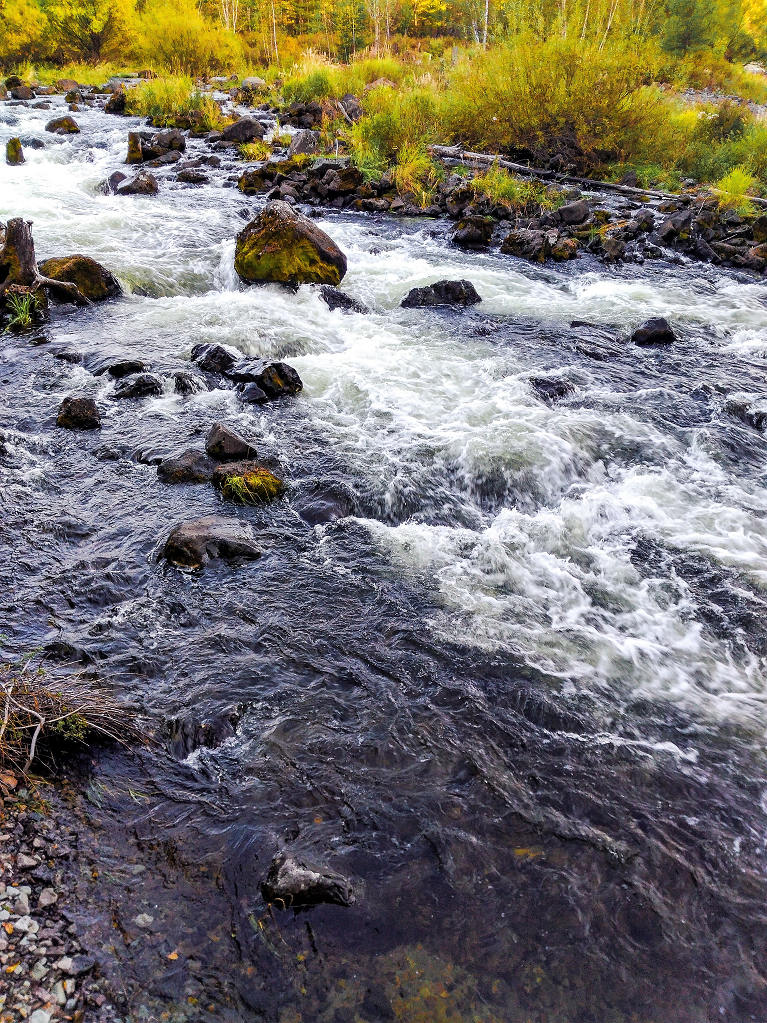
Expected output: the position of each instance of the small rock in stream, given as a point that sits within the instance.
(192, 544)
(335, 299)
(225, 445)
(139, 385)
(293, 884)
(189, 467)
(655, 331)
(448, 293)
(78, 414)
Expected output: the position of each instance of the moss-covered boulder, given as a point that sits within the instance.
(284, 246)
(92, 280)
(247, 483)
(63, 126)
(14, 154)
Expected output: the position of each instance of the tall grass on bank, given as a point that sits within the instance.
(173, 101)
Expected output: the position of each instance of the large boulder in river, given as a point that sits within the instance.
(63, 126)
(656, 331)
(143, 183)
(92, 279)
(14, 154)
(450, 293)
(192, 544)
(283, 246)
(246, 129)
(77, 413)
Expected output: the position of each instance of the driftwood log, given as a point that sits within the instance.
(18, 267)
(454, 155)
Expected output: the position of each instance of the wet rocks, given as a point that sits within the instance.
(188, 383)
(119, 368)
(743, 409)
(78, 413)
(294, 883)
(192, 177)
(22, 92)
(226, 445)
(335, 299)
(246, 129)
(139, 385)
(93, 281)
(282, 245)
(655, 331)
(473, 232)
(63, 126)
(14, 154)
(265, 381)
(192, 544)
(190, 466)
(215, 358)
(304, 142)
(155, 146)
(538, 246)
(143, 183)
(551, 389)
(573, 213)
(443, 293)
(116, 104)
(247, 482)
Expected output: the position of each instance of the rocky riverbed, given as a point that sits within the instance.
(466, 721)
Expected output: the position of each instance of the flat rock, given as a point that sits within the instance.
(443, 293)
(226, 445)
(192, 544)
(190, 466)
(294, 883)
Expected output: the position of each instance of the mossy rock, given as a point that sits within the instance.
(63, 126)
(283, 246)
(14, 154)
(135, 152)
(247, 483)
(92, 280)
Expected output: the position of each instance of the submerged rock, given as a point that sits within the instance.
(335, 299)
(247, 482)
(190, 466)
(63, 126)
(93, 280)
(192, 544)
(451, 293)
(14, 154)
(139, 385)
(225, 445)
(283, 246)
(551, 389)
(77, 413)
(293, 883)
(656, 331)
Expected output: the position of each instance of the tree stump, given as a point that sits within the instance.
(18, 267)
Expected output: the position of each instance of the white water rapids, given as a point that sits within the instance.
(429, 409)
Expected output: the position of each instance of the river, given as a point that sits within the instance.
(514, 689)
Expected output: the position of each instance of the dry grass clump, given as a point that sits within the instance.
(39, 713)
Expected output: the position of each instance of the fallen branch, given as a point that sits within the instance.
(18, 267)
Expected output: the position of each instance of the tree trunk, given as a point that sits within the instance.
(18, 266)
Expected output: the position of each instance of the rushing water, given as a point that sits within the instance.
(515, 691)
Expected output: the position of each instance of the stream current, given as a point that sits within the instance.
(515, 689)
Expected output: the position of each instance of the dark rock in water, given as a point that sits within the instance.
(225, 445)
(14, 154)
(274, 378)
(63, 126)
(252, 394)
(189, 467)
(473, 232)
(135, 149)
(335, 299)
(551, 389)
(116, 102)
(215, 358)
(143, 183)
(451, 293)
(22, 92)
(191, 544)
(163, 142)
(743, 409)
(78, 414)
(122, 368)
(656, 331)
(247, 129)
(188, 383)
(573, 213)
(247, 482)
(31, 142)
(192, 177)
(283, 246)
(188, 735)
(93, 280)
(139, 385)
(539, 246)
(113, 181)
(294, 883)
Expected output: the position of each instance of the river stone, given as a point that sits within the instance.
(188, 383)
(63, 126)
(335, 299)
(450, 293)
(305, 141)
(139, 385)
(292, 883)
(573, 213)
(143, 183)
(247, 482)
(656, 331)
(551, 389)
(284, 246)
(275, 379)
(92, 279)
(116, 102)
(190, 466)
(192, 544)
(473, 232)
(225, 445)
(78, 414)
(22, 92)
(14, 154)
(247, 129)
(215, 358)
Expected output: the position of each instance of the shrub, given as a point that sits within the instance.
(733, 191)
(174, 99)
(255, 152)
(180, 40)
(517, 193)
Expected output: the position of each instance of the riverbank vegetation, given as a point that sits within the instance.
(653, 93)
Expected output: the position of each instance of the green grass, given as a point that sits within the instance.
(23, 311)
(734, 189)
(517, 193)
(255, 152)
(175, 101)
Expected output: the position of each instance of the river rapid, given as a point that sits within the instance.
(515, 690)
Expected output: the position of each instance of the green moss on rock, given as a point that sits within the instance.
(92, 280)
(14, 154)
(247, 483)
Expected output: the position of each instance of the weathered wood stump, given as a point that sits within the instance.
(19, 273)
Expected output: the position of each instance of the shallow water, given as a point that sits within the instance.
(516, 693)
